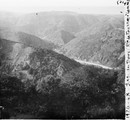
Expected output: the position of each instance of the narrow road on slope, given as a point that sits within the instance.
(95, 64)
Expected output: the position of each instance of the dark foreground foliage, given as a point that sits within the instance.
(87, 92)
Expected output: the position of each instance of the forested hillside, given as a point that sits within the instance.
(45, 84)
(40, 73)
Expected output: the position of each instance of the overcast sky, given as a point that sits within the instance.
(81, 6)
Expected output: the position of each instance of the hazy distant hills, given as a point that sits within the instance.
(8, 19)
(96, 38)
(25, 38)
(54, 25)
(50, 25)
(31, 40)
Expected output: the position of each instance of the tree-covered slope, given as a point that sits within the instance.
(36, 82)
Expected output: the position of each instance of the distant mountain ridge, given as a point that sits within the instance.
(50, 25)
(89, 37)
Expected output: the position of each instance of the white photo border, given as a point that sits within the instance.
(127, 58)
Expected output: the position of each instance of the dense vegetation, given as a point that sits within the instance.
(85, 92)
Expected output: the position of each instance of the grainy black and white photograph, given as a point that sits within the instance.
(62, 59)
